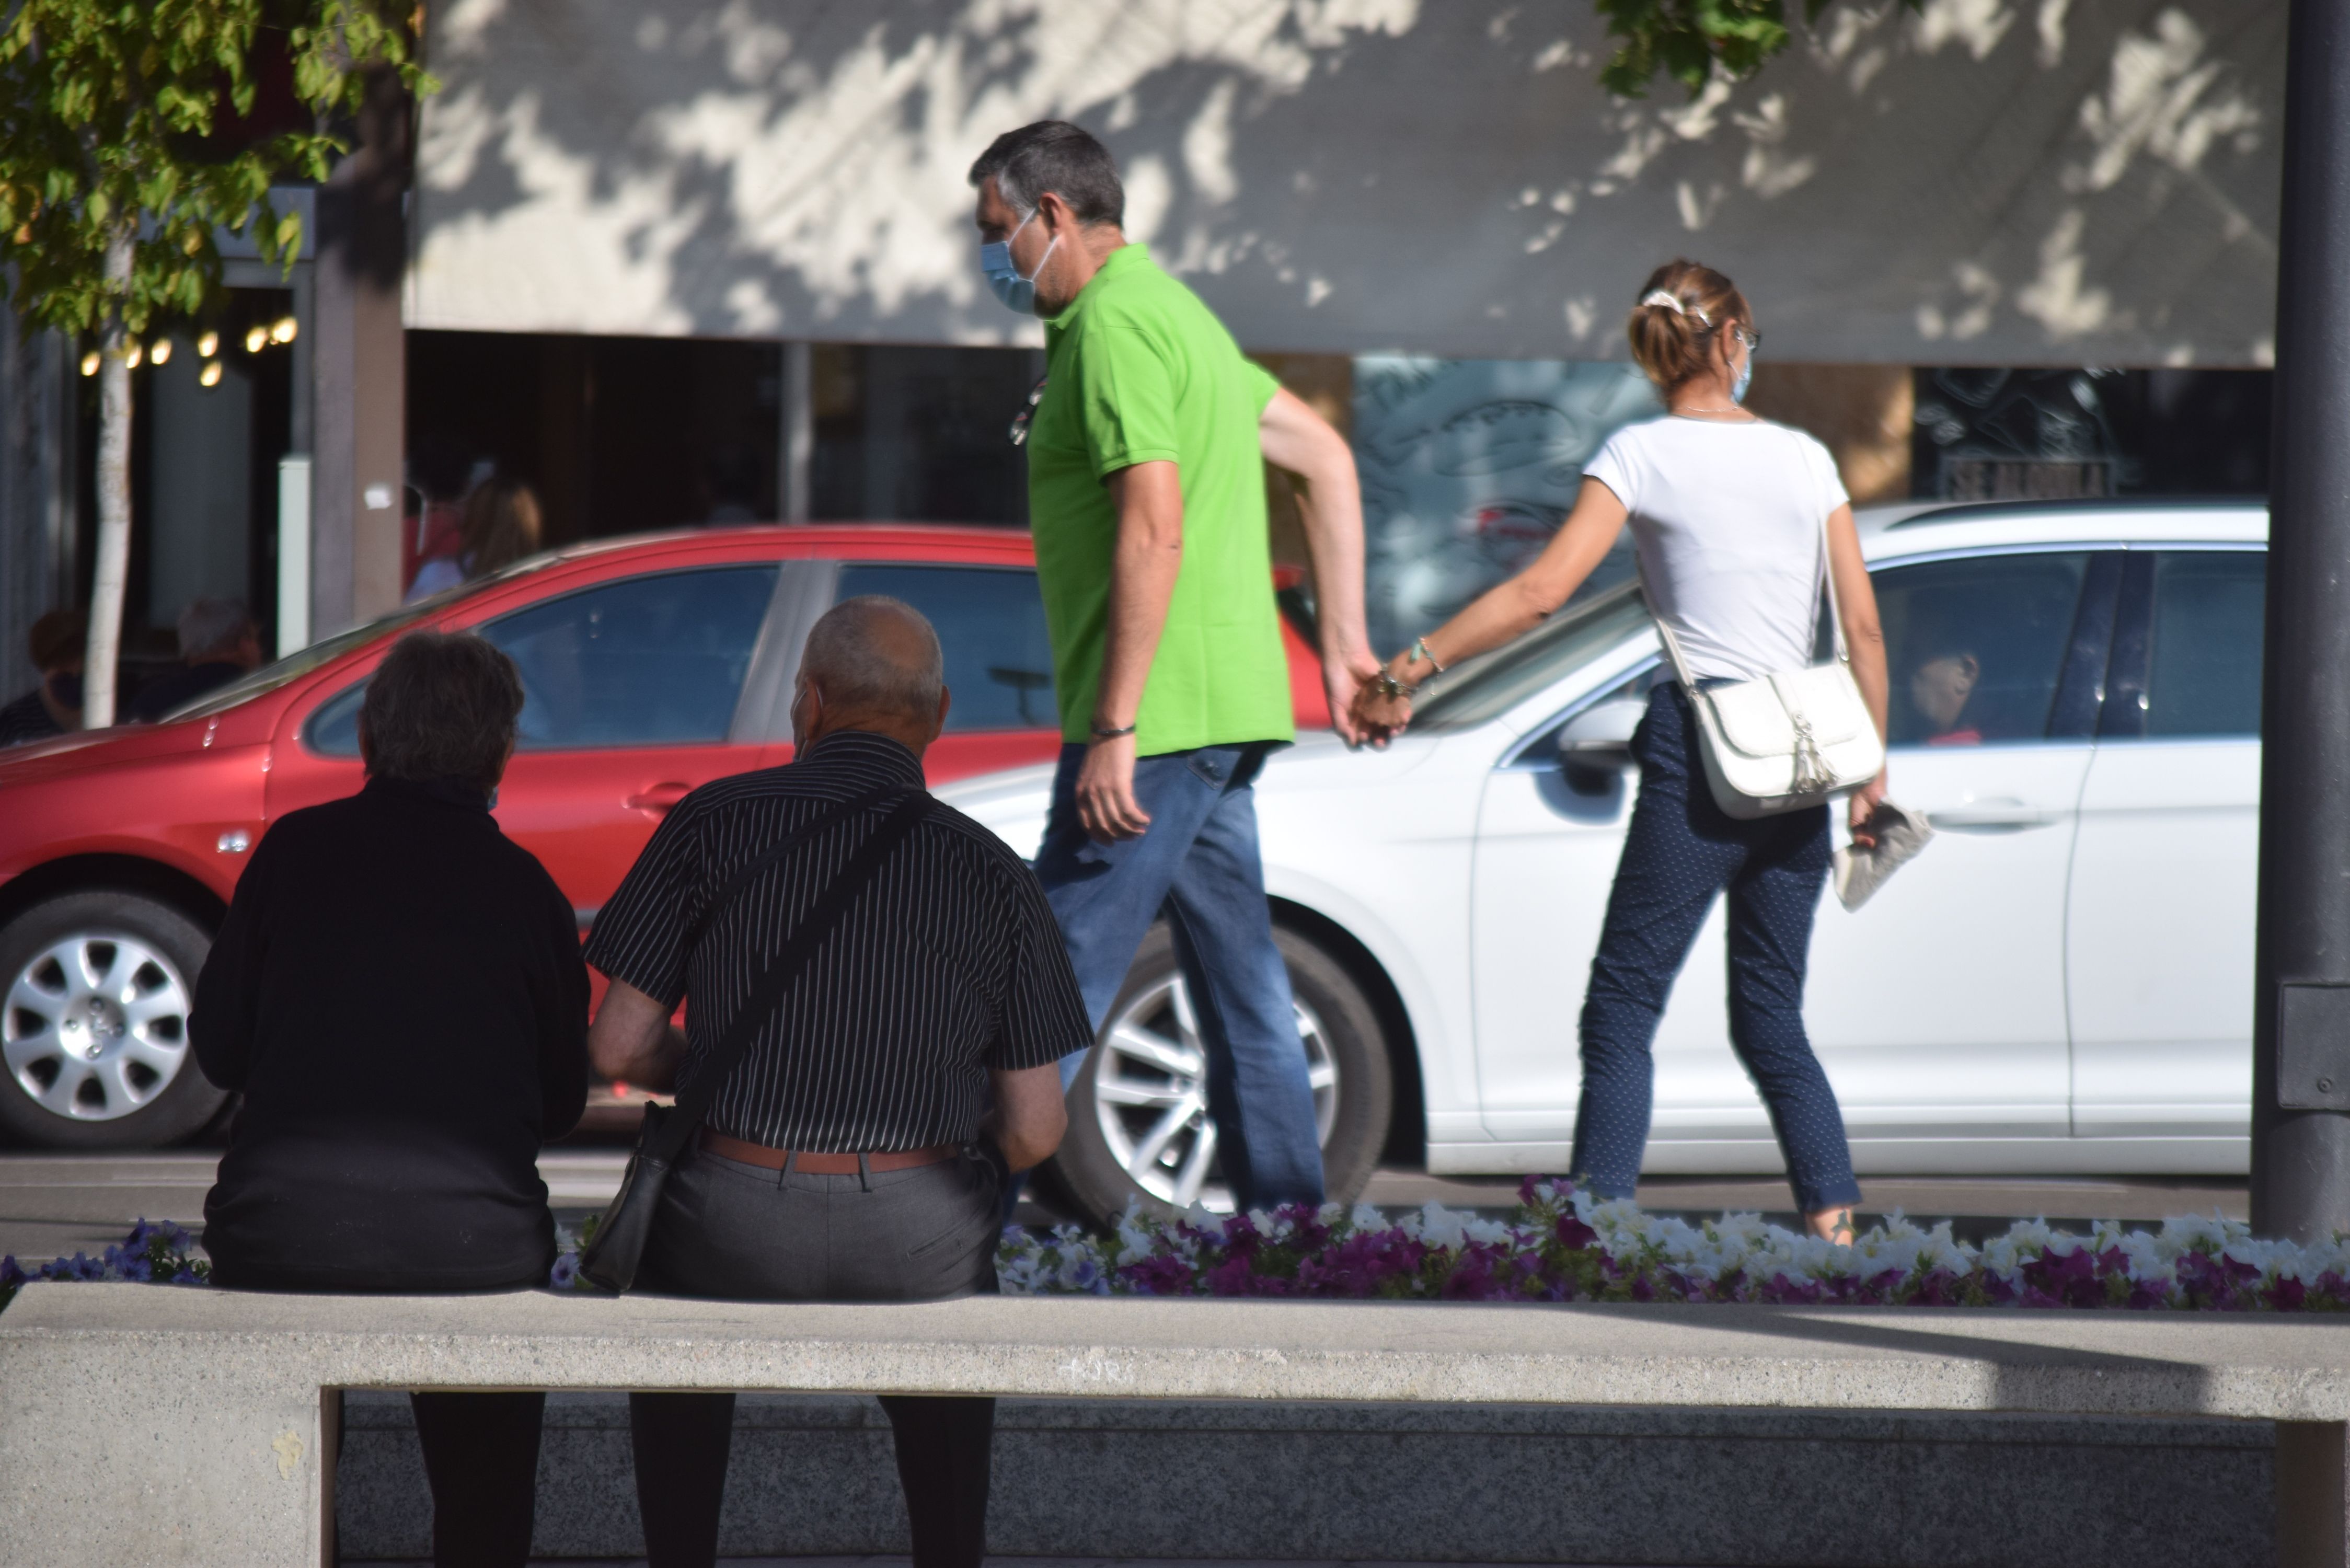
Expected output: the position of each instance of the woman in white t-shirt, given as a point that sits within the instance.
(1726, 513)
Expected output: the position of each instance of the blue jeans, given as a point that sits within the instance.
(1198, 866)
(1680, 851)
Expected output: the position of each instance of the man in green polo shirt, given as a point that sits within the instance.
(1146, 494)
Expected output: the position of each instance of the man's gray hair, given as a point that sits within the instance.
(1054, 155)
(878, 654)
(211, 625)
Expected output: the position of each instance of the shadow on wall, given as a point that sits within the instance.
(1993, 181)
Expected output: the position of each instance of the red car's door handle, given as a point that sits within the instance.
(658, 798)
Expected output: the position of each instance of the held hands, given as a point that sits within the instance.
(1343, 680)
(1383, 705)
(1107, 808)
(1378, 716)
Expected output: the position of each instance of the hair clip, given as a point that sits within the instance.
(1670, 302)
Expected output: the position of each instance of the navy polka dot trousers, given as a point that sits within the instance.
(1680, 851)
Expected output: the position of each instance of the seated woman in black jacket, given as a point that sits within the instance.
(399, 994)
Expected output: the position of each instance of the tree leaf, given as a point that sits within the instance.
(1692, 40)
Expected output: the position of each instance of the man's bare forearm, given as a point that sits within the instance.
(631, 1041)
(1144, 564)
(1029, 1115)
(1330, 505)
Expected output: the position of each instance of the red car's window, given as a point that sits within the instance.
(991, 626)
(643, 661)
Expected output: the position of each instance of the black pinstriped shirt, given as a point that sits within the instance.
(947, 966)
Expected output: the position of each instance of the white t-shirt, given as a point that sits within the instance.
(1726, 517)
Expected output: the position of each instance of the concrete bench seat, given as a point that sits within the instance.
(198, 1415)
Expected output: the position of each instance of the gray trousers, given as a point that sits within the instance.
(741, 1232)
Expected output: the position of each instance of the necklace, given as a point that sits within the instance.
(1686, 412)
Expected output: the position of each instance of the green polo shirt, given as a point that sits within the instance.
(1138, 370)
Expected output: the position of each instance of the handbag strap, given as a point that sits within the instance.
(1827, 587)
(694, 1104)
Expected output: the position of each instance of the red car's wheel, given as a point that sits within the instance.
(93, 1048)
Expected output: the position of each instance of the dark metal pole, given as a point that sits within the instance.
(2301, 1027)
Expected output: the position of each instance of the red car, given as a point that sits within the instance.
(651, 666)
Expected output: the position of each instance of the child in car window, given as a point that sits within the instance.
(1939, 689)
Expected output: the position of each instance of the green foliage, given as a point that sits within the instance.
(1689, 40)
(108, 112)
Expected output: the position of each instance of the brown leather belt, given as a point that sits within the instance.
(759, 1154)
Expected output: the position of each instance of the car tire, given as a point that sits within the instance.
(101, 1058)
(1347, 1050)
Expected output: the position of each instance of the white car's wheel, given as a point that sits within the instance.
(1139, 1123)
(94, 1047)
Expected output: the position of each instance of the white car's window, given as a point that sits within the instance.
(991, 626)
(2203, 664)
(1493, 683)
(1975, 646)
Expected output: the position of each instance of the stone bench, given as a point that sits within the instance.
(150, 1426)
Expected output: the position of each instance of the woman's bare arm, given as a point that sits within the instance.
(1507, 610)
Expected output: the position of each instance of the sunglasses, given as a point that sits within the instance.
(1026, 417)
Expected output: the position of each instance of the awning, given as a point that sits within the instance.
(1998, 181)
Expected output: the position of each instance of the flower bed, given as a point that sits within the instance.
(153, 1253)
(1562, 1245)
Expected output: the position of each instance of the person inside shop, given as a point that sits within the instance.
(52, 707)
(439, 480)
(502, 526)
(218, 642)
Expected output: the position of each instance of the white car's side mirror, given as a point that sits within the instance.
(1601, 737)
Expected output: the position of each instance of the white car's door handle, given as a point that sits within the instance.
(1992, 816)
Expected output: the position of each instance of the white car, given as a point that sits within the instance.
(2060, 982)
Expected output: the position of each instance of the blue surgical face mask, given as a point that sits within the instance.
(1745, 379)
(1018, 293)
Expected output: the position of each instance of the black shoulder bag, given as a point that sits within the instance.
(610, 1258)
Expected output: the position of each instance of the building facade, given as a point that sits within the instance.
(698, 260)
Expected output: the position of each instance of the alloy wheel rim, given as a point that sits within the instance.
(94, 1026)
(1151, 1093)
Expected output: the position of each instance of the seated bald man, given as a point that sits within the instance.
(860, 1149)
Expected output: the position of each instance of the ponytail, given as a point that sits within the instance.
(1682, 306)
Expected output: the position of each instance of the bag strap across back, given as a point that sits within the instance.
(853, 807)
(767, 993)
(1827, 588)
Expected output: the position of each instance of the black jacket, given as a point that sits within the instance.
(397, 992)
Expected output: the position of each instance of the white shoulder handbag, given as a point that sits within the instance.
(1786, 740)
